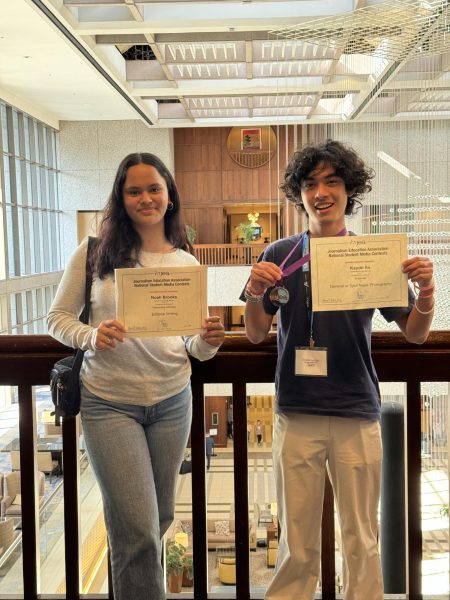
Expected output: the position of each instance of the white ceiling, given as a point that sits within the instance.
(226, 62)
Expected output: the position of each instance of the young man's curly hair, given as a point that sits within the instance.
(347, 164)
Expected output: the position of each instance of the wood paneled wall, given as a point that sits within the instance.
(217, 404)
(208, 179)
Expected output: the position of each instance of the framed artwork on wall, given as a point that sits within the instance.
(251, 140)
(251, 147)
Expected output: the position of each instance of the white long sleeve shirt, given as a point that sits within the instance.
(140, 371)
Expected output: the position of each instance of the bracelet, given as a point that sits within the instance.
(250, 296)
(419, 289)
(428, 294)
(423, 312)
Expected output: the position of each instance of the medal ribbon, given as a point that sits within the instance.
(301, 261)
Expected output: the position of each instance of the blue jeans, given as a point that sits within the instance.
(136, 452)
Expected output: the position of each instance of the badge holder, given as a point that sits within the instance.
(311, 361)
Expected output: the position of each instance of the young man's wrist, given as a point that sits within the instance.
(252, 296)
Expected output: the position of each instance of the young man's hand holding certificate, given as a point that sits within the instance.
(162, 301)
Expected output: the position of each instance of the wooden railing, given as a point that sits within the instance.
(26, 361)
(228, 254)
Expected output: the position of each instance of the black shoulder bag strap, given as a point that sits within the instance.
(84, 316)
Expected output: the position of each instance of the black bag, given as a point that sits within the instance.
(185, 467)
(65, 387)
(65, 375)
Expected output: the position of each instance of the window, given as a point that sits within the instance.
(30, 194)
(29, 220)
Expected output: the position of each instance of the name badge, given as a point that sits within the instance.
(311, 362)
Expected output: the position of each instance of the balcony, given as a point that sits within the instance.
(25, 361)
(228, 254)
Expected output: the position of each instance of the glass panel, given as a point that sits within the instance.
(43, 179)
(26, 137)
(11, 253)
(22, 309)
(37, 236)
(18, 182)
(11, 581)
(49, 457)
(262, 500)
(21, 241)
(7, 180)
(4, 127)
(435, 488)
(15, 133)
(40, 301)
(3, 313)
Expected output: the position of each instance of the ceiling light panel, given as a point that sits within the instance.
(216, 113)
(423, 114)
(306, 68)
(217, 102)
(284, 101)
(432, 106)
(208, 71)
(203, 52)
(276, 49)
(281, 112)
(434, 96)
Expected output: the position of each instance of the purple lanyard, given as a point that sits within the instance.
(301, 261)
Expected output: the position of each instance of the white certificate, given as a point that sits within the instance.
(355, 272)
(162, 301)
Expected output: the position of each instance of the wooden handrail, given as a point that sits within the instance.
(26, 361)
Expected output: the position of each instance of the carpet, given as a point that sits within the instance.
(260, 574)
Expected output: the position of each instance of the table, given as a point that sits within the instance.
(261, 536)
(44, 444)
(225, 551)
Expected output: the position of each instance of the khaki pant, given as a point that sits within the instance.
(303, 447)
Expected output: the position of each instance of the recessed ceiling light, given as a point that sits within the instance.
(27, 56)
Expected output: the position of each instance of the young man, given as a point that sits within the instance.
(330, 421)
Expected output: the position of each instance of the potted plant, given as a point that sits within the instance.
(191, 234)
(188, 571)
(175, 557)
(245, 232)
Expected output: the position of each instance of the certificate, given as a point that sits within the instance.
(355, 272)
(162, 301)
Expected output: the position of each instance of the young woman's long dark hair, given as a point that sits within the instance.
(119, 243)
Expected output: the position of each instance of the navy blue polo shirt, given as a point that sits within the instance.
(351, 388)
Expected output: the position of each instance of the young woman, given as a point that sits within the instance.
(135, 392)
